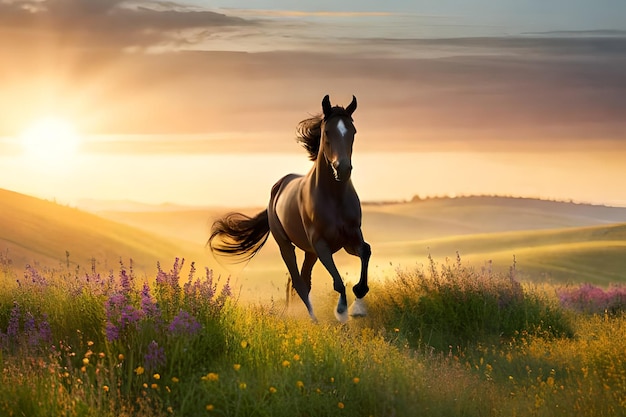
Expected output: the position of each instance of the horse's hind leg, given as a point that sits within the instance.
(288, 252)
(307, 268)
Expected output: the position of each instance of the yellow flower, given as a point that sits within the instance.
(209, 407)
(85, 361)
(243, 385)
(244, 344)
(170, 410)
(120, 357)
(156, 376)
(105, 388)
(83, 369)
(236, 367)
(139, 370)
(300, 384)
(298, 341)
(286, 364)
(101, 355)
(90, 343)
(341, 405)
(175, 380)
(396, 330)
(550, 381)
(154, 386)
(296, 357)
(272, 390)
(332, 380)
(211, 376)
(356, 380)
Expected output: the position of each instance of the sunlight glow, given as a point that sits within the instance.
(50, 140)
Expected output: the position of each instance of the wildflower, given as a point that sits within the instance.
(396, 330)
(299, 384)
(139, 370)
(286, 364)
(550, 381)
(155, 357)
(85, 361)
(175, 380)
(90, 343)
(296, 357)
(170, 410)
(211, 376)
(356, 380)
(272, 390)
(101, 355)
(236, 367)
(341, 405)
(105, 388)
(244, 344)
(298, 341)
(148, 305)
(243, 385)
(184, 324)
(83, 369)
(120, 357)
(332, 380)
(156, 376)
(154, 386)
(210, 407)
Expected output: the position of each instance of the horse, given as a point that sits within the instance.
(320, 212)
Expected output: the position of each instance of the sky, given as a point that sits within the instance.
(196, 102)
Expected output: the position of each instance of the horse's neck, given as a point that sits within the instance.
(323, 179)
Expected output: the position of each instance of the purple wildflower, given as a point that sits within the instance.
(13, 328)
(184, 324)
(154, 357)
(120, 315)
(148, 305)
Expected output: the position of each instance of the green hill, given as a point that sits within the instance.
(38, 231)
(558, 240)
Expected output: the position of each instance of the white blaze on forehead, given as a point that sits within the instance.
(342, 128)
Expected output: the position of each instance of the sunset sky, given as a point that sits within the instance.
(196, 102)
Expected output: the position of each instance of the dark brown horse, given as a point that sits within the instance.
(319, 213)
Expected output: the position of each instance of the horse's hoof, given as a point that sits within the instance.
(358, 308)
(341, 317)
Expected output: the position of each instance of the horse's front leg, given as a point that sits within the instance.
(363, 250)
(326, 258)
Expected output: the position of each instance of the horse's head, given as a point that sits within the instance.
(337, 137)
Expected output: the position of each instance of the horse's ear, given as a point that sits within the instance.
(326, 107)
(352, 106)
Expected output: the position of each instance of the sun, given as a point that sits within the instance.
(51, 140)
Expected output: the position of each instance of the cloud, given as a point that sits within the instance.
(113, 24)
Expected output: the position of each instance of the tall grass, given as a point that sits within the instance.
(448, 341)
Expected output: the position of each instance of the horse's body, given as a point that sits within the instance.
(320, 212)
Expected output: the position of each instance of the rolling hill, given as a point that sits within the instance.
(38, 231)
(555, 240)
(564, 242)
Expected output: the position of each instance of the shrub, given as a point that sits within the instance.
(453, 305)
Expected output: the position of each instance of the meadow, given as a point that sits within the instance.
(479, 306)
(444, 340)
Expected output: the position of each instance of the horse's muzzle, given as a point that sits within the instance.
(342, 170)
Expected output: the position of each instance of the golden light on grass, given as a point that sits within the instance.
(51, 140)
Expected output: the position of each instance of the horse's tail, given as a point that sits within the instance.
(240, 235)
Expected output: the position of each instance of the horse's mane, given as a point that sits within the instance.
(309, 131)
(309, 134)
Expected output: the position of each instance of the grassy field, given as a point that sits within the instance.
(499, 325)
(442, 341)
(554, 241)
